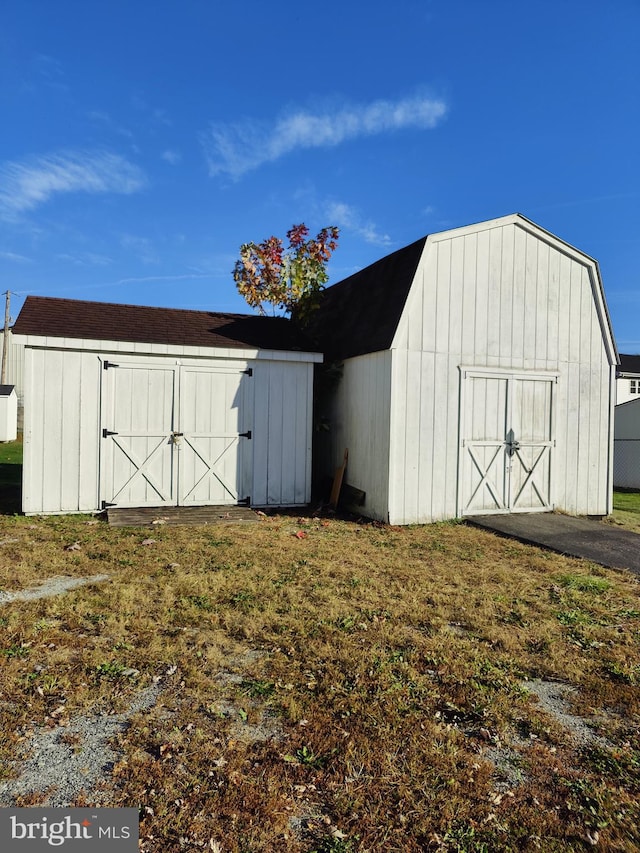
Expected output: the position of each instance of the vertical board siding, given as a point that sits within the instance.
(506, 298)
(63, 422)
(62, 414)
(362, 421)
(507, 295)
(494, 298)
(283, 415)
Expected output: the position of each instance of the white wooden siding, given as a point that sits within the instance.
(63, 422)
(174, 350)
(508, 296)
(283, 407)
(360, 422)
(623, 389)
(61, 431)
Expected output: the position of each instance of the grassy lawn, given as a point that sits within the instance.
(327, 685)
(626, 509)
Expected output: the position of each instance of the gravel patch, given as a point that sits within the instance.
(53, 586)
(72, 759)
(507, 762)
(553, 699)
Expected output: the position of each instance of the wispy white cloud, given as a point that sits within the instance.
(15, 258)
(142, 247)
(84, 259)
(234, 149)
(153, 278)
(27, 184)
(104, 119)
(171, 156)
(139, 280)
(348, 217)
(51, 72)
(157, 115)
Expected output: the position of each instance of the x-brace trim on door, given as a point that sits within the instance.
(529, 478)
(506, 441)
(141, 467)
(484, 475)
(210, 466)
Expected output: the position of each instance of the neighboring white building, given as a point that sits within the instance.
(628, 379)
(15, 365)
(131, 406)
(478, 377)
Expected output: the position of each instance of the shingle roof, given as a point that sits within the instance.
(72, 318)
(629, 364)
(361, 313)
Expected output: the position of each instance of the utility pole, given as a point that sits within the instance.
(5, 339)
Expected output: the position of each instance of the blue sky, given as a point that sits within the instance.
(143, 142)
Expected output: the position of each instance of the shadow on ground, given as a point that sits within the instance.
(10, 488)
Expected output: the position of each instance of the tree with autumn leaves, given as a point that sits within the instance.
(286, 280)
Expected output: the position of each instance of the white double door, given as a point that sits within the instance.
(507, 442)
(175, 434)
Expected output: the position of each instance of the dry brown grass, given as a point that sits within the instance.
(349, 690)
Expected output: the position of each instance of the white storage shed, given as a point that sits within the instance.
(8, 413)
(478, 377)
(626, 452)
(131, 406)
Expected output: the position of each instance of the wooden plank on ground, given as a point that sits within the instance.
(157, 516)
(337, 481)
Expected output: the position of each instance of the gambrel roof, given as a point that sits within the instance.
(72, 318)
(361, 314)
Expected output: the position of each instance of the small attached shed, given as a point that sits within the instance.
(131, 406)
(478, 376)
(626, 452)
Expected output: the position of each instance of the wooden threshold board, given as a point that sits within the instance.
(157, 516)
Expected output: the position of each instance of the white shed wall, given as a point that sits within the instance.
(498, 296)
(61, 431)
(62, 428)
(360, 422)
(283, 418)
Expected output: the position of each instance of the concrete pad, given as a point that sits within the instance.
(597, 541)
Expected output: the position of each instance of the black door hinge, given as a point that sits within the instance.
(107, 432)
(107, 364)
(248, 371)
(245, 502)
(246, 434)
(106, 504)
